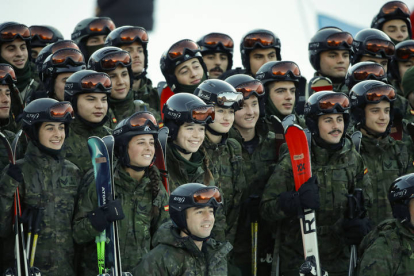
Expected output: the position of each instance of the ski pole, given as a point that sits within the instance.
(36, 235)
(16, 232)
(29, 231)
(254, 226)
(19, 209)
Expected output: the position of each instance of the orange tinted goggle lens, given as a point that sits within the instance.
(283, 68)
(64, 45)
(248, 88)
(405, 52)
(214, 39)
(7, 70)
(202, 113)
(204, 196)
(329, 102)
(100, 24)
(132, 34)
(61, 56)
(262, 38)
(337, 39)
(142, 119)
(363, 72)
(111, 61)
(391, 7)
(60, 110)
(177, 50)
(376, 94)
(92, 81)
(378, 45)
(12, 31)
(42, 32)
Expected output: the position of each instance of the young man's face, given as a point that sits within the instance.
(282, 94)
(403, 66)
(189, 72)
(223, 120)
(377, 117)
(120, 82)
(5, 101)
(96, 40)
(15, 53)
(396, 29)
(93, 107)
(190, 136)
(247, 117)
(259, 56)
(200, 221)
(59, 87)
(35, 52)
(137, 55)
(411, 99)
(334, 63)
(331, 127)
(216, 64)
(382, 61)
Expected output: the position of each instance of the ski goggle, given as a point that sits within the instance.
(213, 39)
(264, 39)
(11, 32)
(111, 61)
(393, 7)
(132, 34)
(65, 56)
(249, 88)
(330, 102)
(100, 25)
(206, 195)
(405, 52)
(92, 81)
(229, 99)
(61, 110)
(334, 41)
(7, 72)
(377, 94)
(178, 49)
(44, 34)
(363, 72)
(283, 68)
(64, 44)
(202, 114)
(376, 46)
(143, 119)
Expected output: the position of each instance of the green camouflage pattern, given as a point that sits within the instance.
(143, 216)
(175, 255)
(338, 173)
(51, 184)
(122, 108)
(148, 94)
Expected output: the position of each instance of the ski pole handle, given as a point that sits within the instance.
(351, 206)
(360, 200)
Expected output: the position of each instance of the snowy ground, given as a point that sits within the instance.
(293, 21)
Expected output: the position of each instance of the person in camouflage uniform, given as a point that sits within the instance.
(386, 159)
(407, 85)
(337, 170)
(88, 92)
(138, 186)
(387, 250)
(283, 84)
(47, 183)
(329, 54)
(259, 157)
(184, 246)
(135, 41)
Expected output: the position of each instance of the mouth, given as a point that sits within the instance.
(225, 124)
(120, 90)
(340, 68)
(335, 133)
(206, 226)
(287, 105)
(146, 155)
(19, 61)
(56, 142)
(195, 143)
(98, 114)
(197, 81)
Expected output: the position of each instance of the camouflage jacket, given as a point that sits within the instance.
(148, 94)
(51, 184)
(143, 215)
(386, 159)
(387, 250)
(338, 174)
(176, 255)
(122, 108)
(76, 145)
(4, 158)
(226, 165)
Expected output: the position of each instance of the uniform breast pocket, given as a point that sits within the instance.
(390, 165)
(339, 188)
(226, 171)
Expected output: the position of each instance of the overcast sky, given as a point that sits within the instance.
(293, 21)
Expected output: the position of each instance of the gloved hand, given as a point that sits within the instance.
(307, 197)
(355, 229)
(102, 217)
(15, 172)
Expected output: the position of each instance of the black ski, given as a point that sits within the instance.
(160, 156)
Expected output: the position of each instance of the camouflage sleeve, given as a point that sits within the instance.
(364, 182)
(220, 225)
(410, 164)
(161, 261)
(7, 188)
(376, 260)
(161, 202)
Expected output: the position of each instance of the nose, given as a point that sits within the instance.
(193, 73)
(98, 105)
(217, 61)
(4, 98)
(19, 52)
(341, 59)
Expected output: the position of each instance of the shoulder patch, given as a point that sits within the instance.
(366, 170)
(114, 120)
(167, 208)
(412, 111)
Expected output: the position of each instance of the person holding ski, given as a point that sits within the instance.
(337, 170)
(372, 110)
(48, 186)
(88, 92)
(140, 196)
(185, 246)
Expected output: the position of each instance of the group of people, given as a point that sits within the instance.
(229, 172)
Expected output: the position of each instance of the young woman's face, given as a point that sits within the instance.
(52, 135)
(224, 118)
(120, 82)
(92, 107)
(15, 53)
(141, 150)
(190, 136)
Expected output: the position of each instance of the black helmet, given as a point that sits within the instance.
(326, 102)
(192, 195)
(403, 52)
(50, 49)
(258, 38)
(108, 58)
(127, 35)
(217, 42)
(399, 195)
(325, 39)
(371, 42)
(138, 123)
(43, 35)
(247, 85)
(7, 75)
(392, 10)
(186, 108)
(62, 61)
(359, 99)
(219, 93)
(12, 30)
(364, 70)
(178, 53)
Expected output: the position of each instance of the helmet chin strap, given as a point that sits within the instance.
(180, 148)
(380, 135)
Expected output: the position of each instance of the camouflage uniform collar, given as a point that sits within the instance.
(177, 166)
(128, 97)
(208, 144)
(128, 183)
(372, 145)
(83, 130)
(41, 158)
(321, 155)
